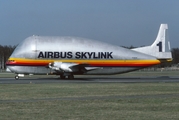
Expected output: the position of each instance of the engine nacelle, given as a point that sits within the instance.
(62, 66)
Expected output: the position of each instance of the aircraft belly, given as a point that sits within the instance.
(29, 70)
(111, 70)
(44, 70)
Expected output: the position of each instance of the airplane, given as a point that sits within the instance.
(68, 56)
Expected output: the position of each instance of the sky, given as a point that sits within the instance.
(118, 22)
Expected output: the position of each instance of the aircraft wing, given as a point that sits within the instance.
(70, 67)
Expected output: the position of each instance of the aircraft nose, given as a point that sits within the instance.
(10, 62)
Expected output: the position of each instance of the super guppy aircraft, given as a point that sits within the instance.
(69, 56)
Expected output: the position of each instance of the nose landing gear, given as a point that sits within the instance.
(18, 75)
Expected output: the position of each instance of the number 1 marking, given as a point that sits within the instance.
(160, 46)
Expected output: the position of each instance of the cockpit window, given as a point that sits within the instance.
(11, 60)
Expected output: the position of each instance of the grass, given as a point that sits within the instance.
(86, 101)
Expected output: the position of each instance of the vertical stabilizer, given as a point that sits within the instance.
(161, 39)
(161, 46)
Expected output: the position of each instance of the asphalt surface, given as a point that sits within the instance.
(111, 79)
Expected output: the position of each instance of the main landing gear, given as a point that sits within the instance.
(70, 77)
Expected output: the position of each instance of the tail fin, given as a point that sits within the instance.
(160, 48)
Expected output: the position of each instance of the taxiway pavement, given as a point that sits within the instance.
(165, 79)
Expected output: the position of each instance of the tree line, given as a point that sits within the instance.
(6, 51)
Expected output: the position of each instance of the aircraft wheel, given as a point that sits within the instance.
(70, 77)
(62, 76)
(16, 77)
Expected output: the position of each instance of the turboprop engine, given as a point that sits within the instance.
(65, 67)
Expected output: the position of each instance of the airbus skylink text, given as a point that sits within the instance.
(77, 55)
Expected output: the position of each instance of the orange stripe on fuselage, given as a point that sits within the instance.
(96, 63)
